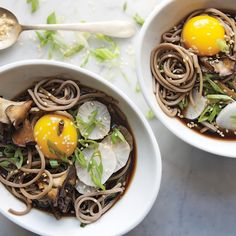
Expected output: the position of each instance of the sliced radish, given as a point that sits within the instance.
(100, 115)
(121, 149)
(83, 188)
(193, 112)
(227, 117)
(108, 161)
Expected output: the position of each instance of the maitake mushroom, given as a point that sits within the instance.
(24, 135)
(14, 112)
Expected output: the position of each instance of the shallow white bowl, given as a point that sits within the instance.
(142, 192)
(167, 14)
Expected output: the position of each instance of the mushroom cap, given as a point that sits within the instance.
(24, 135)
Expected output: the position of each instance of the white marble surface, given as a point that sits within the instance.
(198, 190)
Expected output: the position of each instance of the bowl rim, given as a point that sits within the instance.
(160, 115)
(131, 104)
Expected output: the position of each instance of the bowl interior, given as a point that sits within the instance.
(135, 204)
(166, 15)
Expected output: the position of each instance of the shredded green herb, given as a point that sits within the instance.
(53, 163)
(34, 5)
(183, 104)
(213, 85)
(150, 115)
(117, 136)
(220, 97)
(73, 50)
(88, 143)
(137, 88)
(222, 45)
(90, 124)
(95, 169)
(210, 112)
(15, 156)
(125, 5)
(80, 158)
(138, 19)
(56, 151)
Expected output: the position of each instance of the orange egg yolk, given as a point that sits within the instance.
(56, 136)
(201, 33)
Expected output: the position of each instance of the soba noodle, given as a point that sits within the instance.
(35, 182)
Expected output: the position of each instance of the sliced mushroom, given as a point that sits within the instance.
(24, 135)
(18, 113)
(58, 182)
(224, 67)
(4, 104)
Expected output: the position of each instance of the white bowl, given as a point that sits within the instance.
(142, 192)
(167, 14)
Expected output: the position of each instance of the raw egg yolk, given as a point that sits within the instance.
(56, 136)
(201, 33)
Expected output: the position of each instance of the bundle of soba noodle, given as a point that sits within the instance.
(66, 149)
(193, 70)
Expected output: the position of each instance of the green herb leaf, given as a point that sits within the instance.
(15, 156)
(52, 19)
(73, 50)
(138, 19)
(183, 104)
(213, 85)
(222, 45)
(56, 151)
(150, 115)
(90, 125)
(95, 169)
(221, 97)
(88, 143)
(210, 113)
(117, 136)
(80, 158)
(82, 225)
(85, 60)
(125, 6)
(104, 54)
(53, 163)
(137, 88)
(34, 5)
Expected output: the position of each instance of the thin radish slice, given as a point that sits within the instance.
(121, 149)
(93, 120)
(227, 117)
(108, 161)
(83, 188)
(193, 112)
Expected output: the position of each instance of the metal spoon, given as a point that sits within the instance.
(118, 29)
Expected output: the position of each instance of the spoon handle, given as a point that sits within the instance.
(119, 29)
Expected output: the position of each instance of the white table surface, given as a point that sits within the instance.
(198, 190)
